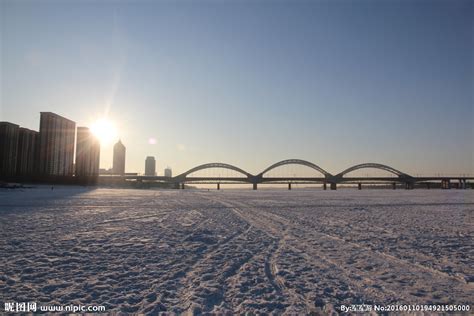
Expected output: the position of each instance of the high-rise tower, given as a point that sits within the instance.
(118, 166)
(87, 153)
(56, 152)
(8, 148)
(150, 166)
(28, 149)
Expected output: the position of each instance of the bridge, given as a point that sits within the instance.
(325, 178)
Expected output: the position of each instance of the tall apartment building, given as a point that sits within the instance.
(56, 154)
(168, 172)
(118, 166)
(8, 148)
(28, 150)
(150, 166)
(87, 153)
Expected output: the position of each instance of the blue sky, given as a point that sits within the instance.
(251, 82)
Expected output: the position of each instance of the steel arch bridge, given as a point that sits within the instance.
(295, 162)
(326, 177)
(213, 165)
(372, 165)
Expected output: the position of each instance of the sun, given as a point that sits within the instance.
(105, 130)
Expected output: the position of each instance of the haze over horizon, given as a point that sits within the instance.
(251, 83)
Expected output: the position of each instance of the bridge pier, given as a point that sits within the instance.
(182, 186)
(289, 186)
(218, 186)
(325, 186)
(409, 185)
(394, 186)
(255, 186)
(333, 186)
(428, 185)
(360, 186)
(446, 184)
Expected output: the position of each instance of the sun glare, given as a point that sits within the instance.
(104, 130)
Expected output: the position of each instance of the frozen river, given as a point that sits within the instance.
(296, 251)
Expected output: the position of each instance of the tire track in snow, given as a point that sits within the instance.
(368, 278)
(286, 222)
(342, 223)
(270, 266)
(193, 273)
(368, 248)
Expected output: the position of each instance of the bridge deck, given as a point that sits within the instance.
(289, 179)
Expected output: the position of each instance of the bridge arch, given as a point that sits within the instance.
(296, 162)
(214, 165)
(374, 166)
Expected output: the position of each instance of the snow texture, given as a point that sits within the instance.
(236, 251)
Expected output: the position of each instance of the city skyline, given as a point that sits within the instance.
(236, 157)
(192, 84)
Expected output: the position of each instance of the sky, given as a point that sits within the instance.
(251, 83)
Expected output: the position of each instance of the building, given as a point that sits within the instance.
(87, 153)
(56, 141)
(168, 172)
(28, 150)
(8, 148)
(118, 166)
(150, 166)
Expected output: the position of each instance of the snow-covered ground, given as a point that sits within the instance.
(235, 251)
